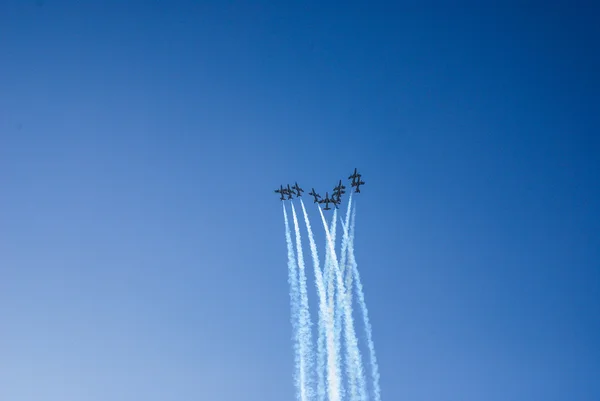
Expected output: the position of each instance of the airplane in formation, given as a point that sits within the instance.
(282, 192)
(357, 184)
(340, 188)
(336, 194)
(316, 195)
(289, 191)
(297, 189)
(356, 180)
(327, 200)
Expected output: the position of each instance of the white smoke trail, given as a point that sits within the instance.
(327, 272)
(323, 330)
(328, 290)
(348, 281)
(339, 307)
(345, 238)
(334, 310)
(304, 330)
(294, 301)
(346, 270)
(333, 375)
(354, 363)
(365, 311)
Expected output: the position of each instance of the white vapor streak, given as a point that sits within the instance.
(304, 330)
(333, 347)
(345, 238)
(347, 270)
(323, 334)
(355, 377)
(339, 307)
(294, 298)
(365, 311)
(348, 281)
(354, 363)
(327, 272)
(334, 312)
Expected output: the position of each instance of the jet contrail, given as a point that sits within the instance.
(326, 268)
(354, 363)
(345, 238)
(339, 307)
(330, 289)
(344, 269)
(327, 271)
(304, 327)
(365, 311)
(348, 281)
(294, 301)
(325, 331)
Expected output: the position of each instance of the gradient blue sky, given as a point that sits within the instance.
(142, 254)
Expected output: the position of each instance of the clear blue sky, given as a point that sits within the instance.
(142, 252)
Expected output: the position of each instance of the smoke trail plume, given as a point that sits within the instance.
(340, 307)
(331, 302)
(345, 238)
(365, 311)
(333, 348)
(344, 269)
(294, 302)
(338, 370)
(354, 363)
(325, 331)
(304, 330)
(348, 281)
(327, 272)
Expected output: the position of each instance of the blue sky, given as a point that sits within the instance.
(142, 252)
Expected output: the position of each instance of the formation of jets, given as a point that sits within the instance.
(289, 192)
(336, 194)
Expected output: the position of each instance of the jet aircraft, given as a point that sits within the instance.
(316, 195)
(327, 201)
(281, 191)
(356, 180)
(357, 184)
(289, 192)
(297, 189)
(336, 197)
(337, 193)
(340, 188)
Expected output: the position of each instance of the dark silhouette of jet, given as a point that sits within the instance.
(337, 193)
(327, 201)
(356, 180)
(289, 192)
(298, 189)
(336, 197)
(357, 184)
(281, 191)
(340, 188)
(316, 195)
